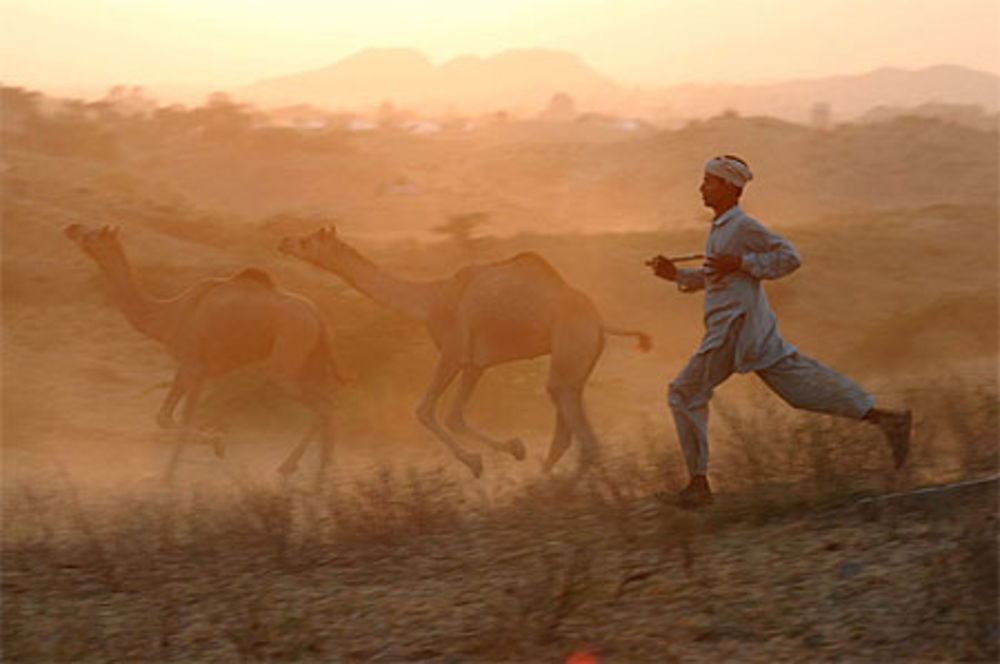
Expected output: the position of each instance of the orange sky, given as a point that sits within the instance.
(72, 45)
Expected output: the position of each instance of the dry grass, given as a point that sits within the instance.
(421, 564)
(414, 561)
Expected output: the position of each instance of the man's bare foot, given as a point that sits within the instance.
(696, 494)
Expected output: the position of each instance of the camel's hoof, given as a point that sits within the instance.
(587, 462)
(516, 448)
(475, 464)
(201, 436)
(219, 448)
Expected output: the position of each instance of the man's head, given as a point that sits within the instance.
(724, 180)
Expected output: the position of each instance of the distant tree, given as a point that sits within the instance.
(18, 100)
(278, 140)
(129, 100)
(222, 119)
(459, 229)
(219, 100)
(819, 115)
(70, 132)
(386, 115)
(561, 107)
(17, 105)
(173, 119)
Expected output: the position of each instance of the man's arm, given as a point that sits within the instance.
(688, 279)
(767, 255)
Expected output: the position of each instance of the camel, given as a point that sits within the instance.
(482, 316)
(222, 324)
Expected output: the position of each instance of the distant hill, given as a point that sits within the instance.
(517, 81)
(846, 97)
(524, 81)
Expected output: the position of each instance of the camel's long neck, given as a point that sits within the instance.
(409, 297)
(149, 315)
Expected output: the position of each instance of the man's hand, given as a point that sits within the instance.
(719, 265)
(663, 267)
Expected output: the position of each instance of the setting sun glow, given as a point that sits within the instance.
(69, 46)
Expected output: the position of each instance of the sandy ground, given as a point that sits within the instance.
(898, 289)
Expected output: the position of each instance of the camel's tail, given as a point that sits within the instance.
(644, 341)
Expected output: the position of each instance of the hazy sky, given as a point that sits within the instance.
(62, 45)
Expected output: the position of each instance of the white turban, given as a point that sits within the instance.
(730, 169)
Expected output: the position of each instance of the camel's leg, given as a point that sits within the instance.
(187, 382)
(576, 345)
(328, 435)
(187, 385)
(187, 418)
(183, 379)
(560, 441)
(317, 399)
(294, 347)
(569, 402)
(324, 428)
(444, 373)
(456, 415)
(291, 463)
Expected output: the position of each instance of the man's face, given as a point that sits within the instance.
(715, 191)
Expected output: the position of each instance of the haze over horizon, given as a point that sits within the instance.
(64, 47)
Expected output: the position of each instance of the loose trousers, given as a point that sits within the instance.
(799, 380)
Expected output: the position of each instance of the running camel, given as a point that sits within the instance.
(482, 316)
(222, 324)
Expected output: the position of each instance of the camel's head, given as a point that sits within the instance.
(321, 247)
(101, 244)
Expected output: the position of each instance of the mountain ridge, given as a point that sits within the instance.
(523, 81)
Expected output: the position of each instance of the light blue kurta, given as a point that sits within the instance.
(739, 294)
(741, 335)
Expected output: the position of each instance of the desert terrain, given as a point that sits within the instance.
(398, 554)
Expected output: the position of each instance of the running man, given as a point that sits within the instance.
(741, 332)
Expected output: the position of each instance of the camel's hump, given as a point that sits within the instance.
(254, 274)
(533, 259)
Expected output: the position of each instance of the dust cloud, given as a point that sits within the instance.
(401, 555)
(896, 222)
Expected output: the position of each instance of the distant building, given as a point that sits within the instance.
(360, 124)
(420, 127)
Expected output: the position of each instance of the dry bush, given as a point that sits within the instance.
(961, 587)
(776, 461)
(529, 613)
(416, 564)
(772, 461)
(958, 426)
(384, 510)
